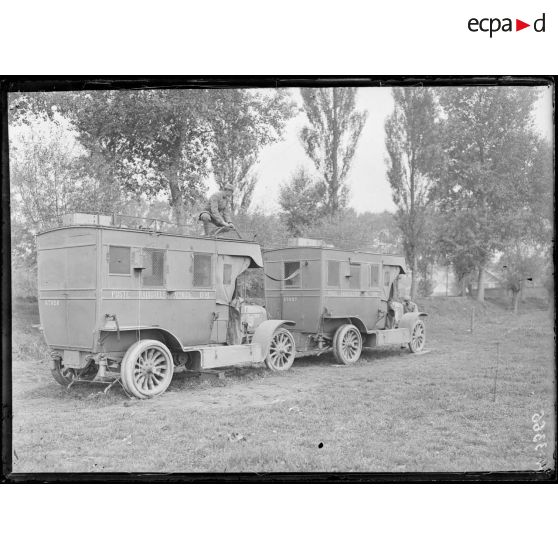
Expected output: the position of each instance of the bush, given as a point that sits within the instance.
(426, 286)
(24, 282)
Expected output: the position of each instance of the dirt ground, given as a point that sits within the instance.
(392, 411)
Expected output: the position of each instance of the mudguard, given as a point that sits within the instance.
(408, 320)
(264, 333)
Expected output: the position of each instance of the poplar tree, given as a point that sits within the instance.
(413, 155)
(330, 139)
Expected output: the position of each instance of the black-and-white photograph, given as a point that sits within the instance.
(282, 279)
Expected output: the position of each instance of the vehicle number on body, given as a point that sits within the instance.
(290, 299)
(52, 302)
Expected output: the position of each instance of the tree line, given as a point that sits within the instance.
(471, 179)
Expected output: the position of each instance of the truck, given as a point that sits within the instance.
(344, 300)
(133, 303)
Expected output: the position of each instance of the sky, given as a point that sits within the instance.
(367, 180)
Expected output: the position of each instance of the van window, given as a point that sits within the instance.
(354, 279)
(374, 275)
(119, 260)
(332, 274)
(153, 274)
(202, 270)
(291, 268)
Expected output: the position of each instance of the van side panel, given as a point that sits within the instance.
(348, 293)
(188, 311)
(67, 284)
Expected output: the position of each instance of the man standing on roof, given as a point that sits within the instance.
(216, 211)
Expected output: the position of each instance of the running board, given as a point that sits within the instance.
(380, 337)
(217, 356)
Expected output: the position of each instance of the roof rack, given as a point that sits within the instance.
(132, 222)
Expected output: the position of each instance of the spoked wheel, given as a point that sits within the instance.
(418, 337)
(146, 369)
(281, 353)
(347, 344)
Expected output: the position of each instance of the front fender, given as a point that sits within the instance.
(408, 320)
(264, 333)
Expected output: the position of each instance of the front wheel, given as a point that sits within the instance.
(347, 344)
(281, 353)
(418, 337)
(146, 369)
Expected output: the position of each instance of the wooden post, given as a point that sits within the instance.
(473, 320)
(497, 367)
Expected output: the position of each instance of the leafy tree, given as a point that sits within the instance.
(243, 122)
(301, 201)
(412, 144)
(528, 249)
(153, 142)
(461, 245)
(520, 263)
(486, 138)
(46, 181)
(331, 138)
(47, 174)
(537, 211)
(42, 168)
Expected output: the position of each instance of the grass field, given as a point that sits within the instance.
(393, 411)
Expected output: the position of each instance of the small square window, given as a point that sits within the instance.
(332, 274)
(354, 279)
(374, 275)
(227, 274)
(202, 270)
(119, 260)
(153, 274)
(292, 269)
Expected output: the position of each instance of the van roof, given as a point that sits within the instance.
(224, 246)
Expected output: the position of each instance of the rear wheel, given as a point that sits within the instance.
(281, 353)
(146, 369)
(347, 344)
(64, 376)
(418, 337)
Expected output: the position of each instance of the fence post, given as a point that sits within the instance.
(497, 368)
(473, 320)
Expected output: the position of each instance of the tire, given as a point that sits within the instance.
(281, 352)
(64, 376)
(418, 337)
(146, 369)
(347, 344)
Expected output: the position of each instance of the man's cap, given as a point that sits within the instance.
(406, 298)
(228, 187)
